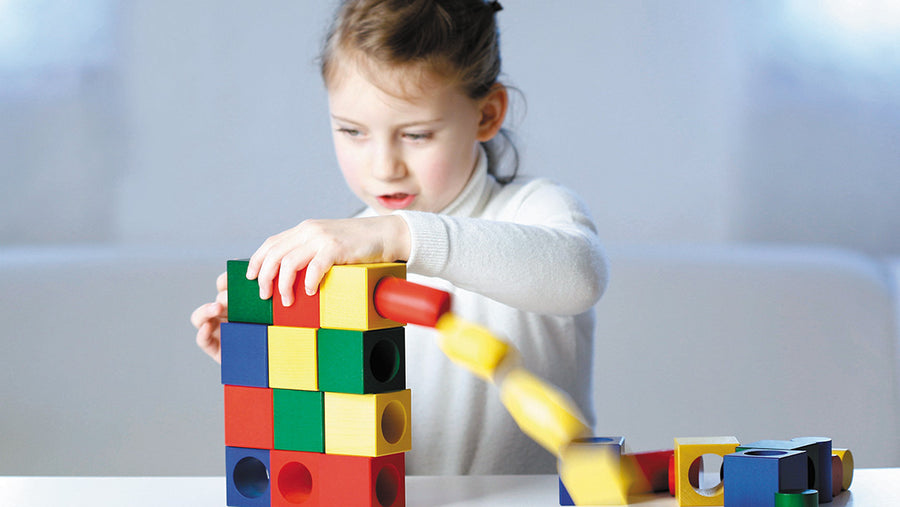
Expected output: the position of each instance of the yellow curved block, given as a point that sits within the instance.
(594, 475)
(471, 346)
(543, 412)
(847, 464)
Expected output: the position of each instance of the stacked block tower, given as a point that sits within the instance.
(316, 409)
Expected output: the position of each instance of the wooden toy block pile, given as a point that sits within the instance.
(316, 409)
(801, 472)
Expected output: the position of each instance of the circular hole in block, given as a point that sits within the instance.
(811, 472)
(393, 422)
(705, 474)
(765, 453)
(295, 482)
(384, 361)
(387, 485)
(251, 477)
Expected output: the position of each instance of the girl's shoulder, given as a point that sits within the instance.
(534, 193)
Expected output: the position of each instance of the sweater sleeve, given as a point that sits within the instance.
(538, 251)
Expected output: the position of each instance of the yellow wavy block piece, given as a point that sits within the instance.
(594, 474)
(471, 346)
(293, 362)
(687, 451)
(542, 411)
(368, 424)
(346, 296)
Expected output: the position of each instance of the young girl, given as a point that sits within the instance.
(417, 108)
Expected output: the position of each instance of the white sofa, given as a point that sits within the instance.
(102, 376)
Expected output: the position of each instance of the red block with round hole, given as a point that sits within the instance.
(249, 417)
(296, 478)
(363, 481)
(304, 312)
(404, 301)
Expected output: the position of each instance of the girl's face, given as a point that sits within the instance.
(401, 150)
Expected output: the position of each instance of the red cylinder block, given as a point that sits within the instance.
(409, 302)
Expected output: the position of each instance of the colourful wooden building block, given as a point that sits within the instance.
(363, 481)
(473, 347)
(304, 312)
(818, 452)
(368, 424)
(591, 472)
(847, 464)
(296, 478)
(244, 303)
(245, 354)
(687, 451)
(247, 477)
(650, 470)
(346, 296)
(299, 418)
(800, 498)
(409, 302)
(362, 362)
(293, 354)
(248, 417)
(837, 475)
(751, 478)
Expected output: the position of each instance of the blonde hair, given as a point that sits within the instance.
(456, 40)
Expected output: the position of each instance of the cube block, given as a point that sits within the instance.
(649, 469)
(293, 362)
(346, 296)
(304, 312)
(298, 420)
(296, 478)
(687, 450)
(363, 481)
(245, 354)
(247, 477)
(818, 451)
(591, 472)
(753, 477)
(244, 303)
(368, 424)
(362, 362)
(248, 417)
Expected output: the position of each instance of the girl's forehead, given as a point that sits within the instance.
(408, 82)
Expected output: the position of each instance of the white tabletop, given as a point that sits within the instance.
(871, 488)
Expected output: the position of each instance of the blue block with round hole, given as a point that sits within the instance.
(818, 452)
(753, 476)
(247, 477)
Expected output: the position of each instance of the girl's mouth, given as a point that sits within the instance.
(395, 201)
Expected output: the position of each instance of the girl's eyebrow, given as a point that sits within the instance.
(401, 126)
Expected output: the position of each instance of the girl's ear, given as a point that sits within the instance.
(493, 111)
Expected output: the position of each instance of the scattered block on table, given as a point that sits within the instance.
(368, 424)
(293, 362)
(672, 474)
(650, 470)
(797, 498)
(247, 477)
(363, 481)
(591, 472)
(248, 417)
(245, 354)
(244, 303)
(819, 468)
(411, 303)
(296, 478)
(362, 362)
(751, 478)
(847, 464)
(299, 420)
(304, 312)
(346, 296)
(837, 475)
(691, 449)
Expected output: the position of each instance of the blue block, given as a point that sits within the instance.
(247, 477)
(245, 354)
(818, 450)
(752, 477)
(564, 498)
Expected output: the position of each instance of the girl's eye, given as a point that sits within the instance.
(349, 132)
(418, 136)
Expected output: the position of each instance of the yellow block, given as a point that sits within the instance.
(543, 412)
(847, 464)
(292, 358)
(471, 346)
(594, 474)
(368, 424)
(686, 451)
(346, 296)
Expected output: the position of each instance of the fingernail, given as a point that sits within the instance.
(311, 291)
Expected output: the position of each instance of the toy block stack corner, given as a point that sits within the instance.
(316, 406)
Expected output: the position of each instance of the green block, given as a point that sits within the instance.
(299, 420)
(244, 304)
(362, 362)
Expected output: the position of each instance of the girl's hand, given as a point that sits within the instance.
(319, 244)
(208, 320)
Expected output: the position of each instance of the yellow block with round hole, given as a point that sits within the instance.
(542, 411)
(687, 451)
(347, 296)
(471, 346)
(293, 362)
(847, 464)
(368, 424)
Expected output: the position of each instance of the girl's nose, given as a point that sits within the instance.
(388, 164)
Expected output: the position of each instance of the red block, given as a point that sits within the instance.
(363, 481)
(653, 467)
(672, 474)
(249, 418)
(409, 302)
(304, 312)
(296, 478)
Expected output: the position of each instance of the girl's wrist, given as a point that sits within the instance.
(398, 241)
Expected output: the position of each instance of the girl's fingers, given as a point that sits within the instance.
(291, 264)
(222, 282)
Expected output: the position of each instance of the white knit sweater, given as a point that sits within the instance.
(523, 260)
